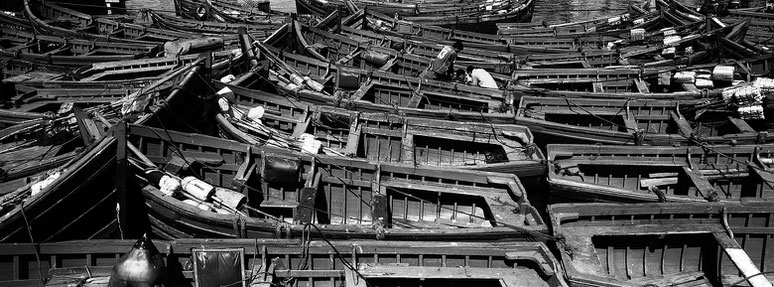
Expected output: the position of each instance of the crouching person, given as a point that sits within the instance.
(481, 78)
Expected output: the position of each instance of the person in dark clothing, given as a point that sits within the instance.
(442, 67)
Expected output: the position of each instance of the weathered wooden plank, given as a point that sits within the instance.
(702, 184)
(742, 125)
(305, 210)
(353, 139)
(380, 209)
(742, 261)
(683, 126)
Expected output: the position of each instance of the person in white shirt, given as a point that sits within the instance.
(481, 78)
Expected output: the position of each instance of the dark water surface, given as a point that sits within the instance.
(545, 10)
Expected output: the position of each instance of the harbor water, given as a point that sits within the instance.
(545, 10)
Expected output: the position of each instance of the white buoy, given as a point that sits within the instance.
(223, 105)
(637, 34)
(227, 78)
(309, 144)
(236, 53)
(684, 77)
(765, 84)
(671, 39)
(291, 87)
(723, 73)
(704, 83)
(754, 112)
(197, 188)
(256, 113)
(229, 198)
(749, 93)
(169, 185)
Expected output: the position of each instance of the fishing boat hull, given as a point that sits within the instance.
(678, 243)
(80, 200)
(583, 173)
(319, 263)
(337, 195)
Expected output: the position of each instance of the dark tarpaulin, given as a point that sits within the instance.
(219, 267)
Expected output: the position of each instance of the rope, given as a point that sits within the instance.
(751, 276)
(35, 245)
(118, 220)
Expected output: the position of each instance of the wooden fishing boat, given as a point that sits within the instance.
(549, 52)
(250, 12)
(48, 214)
(626, 85)
(664, 243)
(412, 60)
(101, 83)
(52, 19)
(531, 40)
(210, 28)
(640, 174)
(561, 27)
(757, 13)
(16, 67)
(651, 122)
(375, 91)
(77, 198)
(474, 16)
(380, 137)
(386, 98)
(611, 27)
(348, 198)
(11, 21)
(425, 48)
(687, 12)
(423, 40)
(68, 52)
(614, 80)
(326, 72)
(325, 46)
(641, 74)
(11, 117)
(760, 24)
(139, 71)
(281, 262)
(385, 25)
(415, 8)
(495, 55)
(41, 100)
